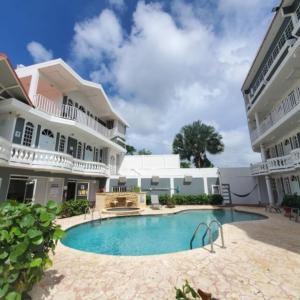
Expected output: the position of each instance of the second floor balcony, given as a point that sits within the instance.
(27, 157)
(285, 109)
(277, 164)
(75, 114)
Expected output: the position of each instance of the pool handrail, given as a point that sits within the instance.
(220, 227)
(195, 232)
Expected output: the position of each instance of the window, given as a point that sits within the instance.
(79, 149)
(28, 134)
(295, 142)
(88, 148)
(62, 142)
(96, 155)
(48, 132)
(101, 155)
(82, 108)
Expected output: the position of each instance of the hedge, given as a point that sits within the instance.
(177, 199)
(27, 234)
(74, 207)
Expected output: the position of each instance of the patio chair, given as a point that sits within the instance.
(273, 208)
(155, 202)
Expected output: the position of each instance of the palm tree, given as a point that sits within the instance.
(130, 150)
(195, 140)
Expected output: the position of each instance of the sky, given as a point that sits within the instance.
(163, 64)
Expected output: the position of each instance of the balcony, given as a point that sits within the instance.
(27, 157)
(288, 106)
(285, 163)
(272, 62)
(68, 112)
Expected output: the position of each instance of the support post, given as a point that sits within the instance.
(34, 85)
(269, 189)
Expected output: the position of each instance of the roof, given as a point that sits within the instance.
(61, 73)
(10, 84)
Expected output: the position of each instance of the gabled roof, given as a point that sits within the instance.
(10, 84)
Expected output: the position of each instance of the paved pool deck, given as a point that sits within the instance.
(261, 261)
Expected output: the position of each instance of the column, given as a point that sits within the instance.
(205, 185)
(139, 183)
(172, 186)
(34, 85)
(269, 189)
(257, 122)
(107, 184)
(262, 153)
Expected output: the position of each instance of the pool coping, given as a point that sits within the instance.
(158, 213)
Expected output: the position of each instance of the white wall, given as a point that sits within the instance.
(7, 122)
(241, 182)
(151, 162)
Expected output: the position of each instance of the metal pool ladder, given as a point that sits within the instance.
(209, 232)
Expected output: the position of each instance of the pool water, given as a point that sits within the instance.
(149, 235)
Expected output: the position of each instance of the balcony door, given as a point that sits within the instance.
(47, 140)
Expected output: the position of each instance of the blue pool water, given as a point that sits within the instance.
(146, 235)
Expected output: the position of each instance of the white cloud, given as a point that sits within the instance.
(38, 52)
(96, 37)
(175, 67)
(117, 4)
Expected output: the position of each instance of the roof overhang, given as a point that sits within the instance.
(266, 43)
(10, 84)
(64, 77)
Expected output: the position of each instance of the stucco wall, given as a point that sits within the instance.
(194, 188)
(161, 188)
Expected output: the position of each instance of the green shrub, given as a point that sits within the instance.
(27, 234)
(215, 199)
(291, 201)
(74, 207)
(186, 292)
(171, 202)
(191, 199)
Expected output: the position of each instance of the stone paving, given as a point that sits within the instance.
(261, 261)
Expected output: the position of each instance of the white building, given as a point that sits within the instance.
(272, 96)
(60, 138)
(161, 174)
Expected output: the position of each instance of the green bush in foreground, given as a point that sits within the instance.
(74, 207)
(27, 234)
(201, 199)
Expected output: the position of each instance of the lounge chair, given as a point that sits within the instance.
(273, 208)
(155, 202)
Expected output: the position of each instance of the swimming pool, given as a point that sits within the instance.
(149, 235)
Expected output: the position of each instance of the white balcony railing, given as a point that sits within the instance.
(272, 59)
(280, 110)
(38, 158)
(277, 164)
(70, 113)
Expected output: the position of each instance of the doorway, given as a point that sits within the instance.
(71, 190)
(21, 189)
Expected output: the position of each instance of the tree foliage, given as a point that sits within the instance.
(195, 140)
(130, 150)
(144, 152)
(27, 234)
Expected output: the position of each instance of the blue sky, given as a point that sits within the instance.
(164, 64)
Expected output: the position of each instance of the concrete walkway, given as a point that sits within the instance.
(261, 261)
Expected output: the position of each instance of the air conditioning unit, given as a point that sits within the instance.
(155, 179)
(188, 179)
(122, 179)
